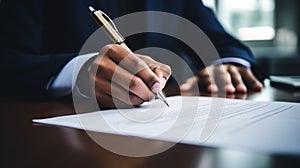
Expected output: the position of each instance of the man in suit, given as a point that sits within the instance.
(40, 41)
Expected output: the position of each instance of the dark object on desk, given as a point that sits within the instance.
(286, 82)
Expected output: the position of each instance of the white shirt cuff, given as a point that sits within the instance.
(232, 60)
(63, 83)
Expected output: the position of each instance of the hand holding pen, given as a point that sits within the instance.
(124, 78)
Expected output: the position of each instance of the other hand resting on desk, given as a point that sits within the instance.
(224, 77)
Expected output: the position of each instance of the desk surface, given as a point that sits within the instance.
(24, 144)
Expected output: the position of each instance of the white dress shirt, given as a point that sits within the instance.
(64, 82)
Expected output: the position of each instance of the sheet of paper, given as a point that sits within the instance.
(271, 127)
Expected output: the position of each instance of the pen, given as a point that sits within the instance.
(112, 32)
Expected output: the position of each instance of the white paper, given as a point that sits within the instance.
(272, 127)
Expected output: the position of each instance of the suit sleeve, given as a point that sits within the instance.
(226, 45)
(25, 69)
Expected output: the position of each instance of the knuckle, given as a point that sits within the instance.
(168, 70)
(101, 68)
(220, 68)
(95, 66)
(151, 80)
(238, 78)
(204, 72)
(139, 65)
(106, 48)
(134, 83)
(101, 64)
(227, 76)
(232, 68)
(145, 57)
(109, 49)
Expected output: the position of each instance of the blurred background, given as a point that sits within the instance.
(269, 27)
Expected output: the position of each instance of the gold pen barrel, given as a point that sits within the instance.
(110, 31)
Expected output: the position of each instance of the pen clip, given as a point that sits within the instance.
(115, 36)
(109, 20)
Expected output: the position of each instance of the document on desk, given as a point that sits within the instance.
(268, 127)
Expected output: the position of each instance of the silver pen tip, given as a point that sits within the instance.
(91, 9)
(167, 103)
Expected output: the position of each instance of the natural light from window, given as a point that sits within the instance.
(248, 20)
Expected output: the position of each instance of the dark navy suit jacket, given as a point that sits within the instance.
(38, 37)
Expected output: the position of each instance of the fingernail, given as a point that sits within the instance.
(258, 84)
(185, 86)
(156, 87)
(241, 88)
(229, 89)
(163, 80)
(212, 88)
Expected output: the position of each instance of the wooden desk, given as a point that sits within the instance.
(24, 144)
